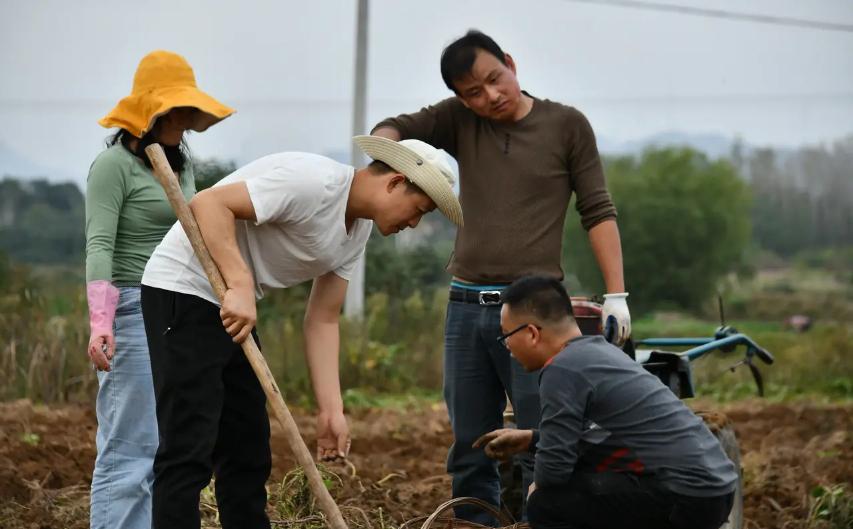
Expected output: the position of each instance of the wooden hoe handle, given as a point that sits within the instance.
(169, 181)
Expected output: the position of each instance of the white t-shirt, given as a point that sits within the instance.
(300, 203)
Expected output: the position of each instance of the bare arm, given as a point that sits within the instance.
(215, 210)
(322, 346)
(607, 247)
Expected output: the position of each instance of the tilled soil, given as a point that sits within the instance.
(397, 462)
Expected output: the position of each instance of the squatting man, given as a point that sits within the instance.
(614, 446)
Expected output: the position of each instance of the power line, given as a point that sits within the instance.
(719, 13)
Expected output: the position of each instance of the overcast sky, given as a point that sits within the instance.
(287, 68)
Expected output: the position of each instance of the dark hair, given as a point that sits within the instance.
(177, 155)
(543, 297)
(378, 167)
(458, 58)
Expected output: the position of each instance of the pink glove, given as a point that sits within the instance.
(103, 300)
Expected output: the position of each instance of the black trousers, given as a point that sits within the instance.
(611, 501)
(211, 415)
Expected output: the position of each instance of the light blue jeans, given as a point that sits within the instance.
(127, 426)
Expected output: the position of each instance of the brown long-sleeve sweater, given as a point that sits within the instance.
(516, 180)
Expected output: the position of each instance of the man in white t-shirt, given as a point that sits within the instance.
(279, 221)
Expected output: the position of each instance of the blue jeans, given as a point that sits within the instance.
(127, 426)
(479, 373)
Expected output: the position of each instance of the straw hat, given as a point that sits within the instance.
(427, 167)
(163, 81)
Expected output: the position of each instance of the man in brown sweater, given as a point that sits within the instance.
(520, 160)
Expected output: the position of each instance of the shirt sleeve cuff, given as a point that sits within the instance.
(532, 447)
(261, 214)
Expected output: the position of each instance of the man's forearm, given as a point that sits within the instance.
(607, 248)
(322, 346)
(216, 223)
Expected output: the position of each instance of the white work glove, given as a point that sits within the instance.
(615, 318)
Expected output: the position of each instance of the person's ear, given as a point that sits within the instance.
(395, 180)
(536, 334)
(510, 63)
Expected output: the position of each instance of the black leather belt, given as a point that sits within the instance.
(480, 297)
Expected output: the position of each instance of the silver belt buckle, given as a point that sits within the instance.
(489, 297)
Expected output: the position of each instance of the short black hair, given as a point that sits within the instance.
(458, 57)
(542, 297)
(378, 167)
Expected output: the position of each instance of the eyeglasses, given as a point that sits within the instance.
(503, 337)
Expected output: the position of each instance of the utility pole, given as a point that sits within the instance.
(354, 304)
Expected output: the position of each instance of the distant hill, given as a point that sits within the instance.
(14, 164)
(802, 198)
(713, 145)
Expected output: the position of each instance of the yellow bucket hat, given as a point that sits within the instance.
(163, 81)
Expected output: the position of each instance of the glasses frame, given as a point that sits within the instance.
(503, 337)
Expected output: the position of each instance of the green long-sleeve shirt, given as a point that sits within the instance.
(127, 214)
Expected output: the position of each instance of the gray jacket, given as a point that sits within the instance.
(603, 412)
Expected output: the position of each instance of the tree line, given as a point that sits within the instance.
(686, 221)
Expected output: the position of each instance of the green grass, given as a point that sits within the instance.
(361, 398)
(830, 507)
(393, 356)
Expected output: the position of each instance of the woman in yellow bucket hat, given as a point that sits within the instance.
(127, 214)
